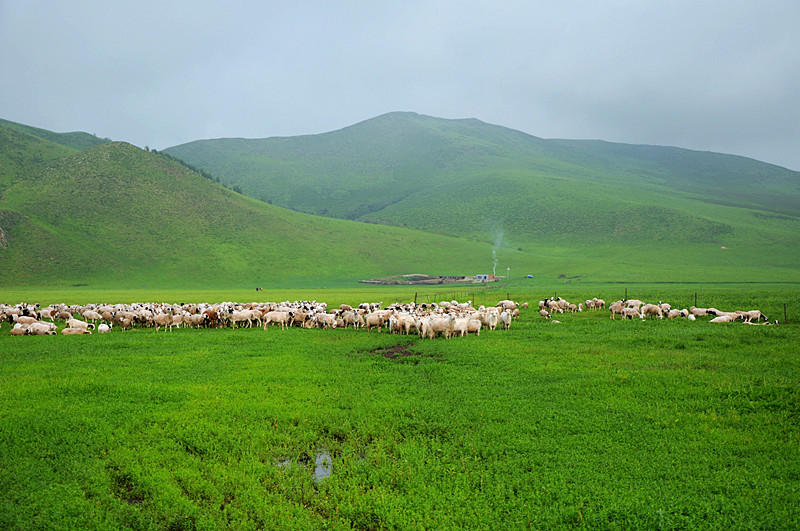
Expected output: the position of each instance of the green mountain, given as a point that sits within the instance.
(115, 215)
(76, 140)
(606, 210)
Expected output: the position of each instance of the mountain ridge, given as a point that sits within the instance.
(114, 214)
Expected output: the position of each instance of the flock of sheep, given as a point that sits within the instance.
(445, 319)
(634, 308)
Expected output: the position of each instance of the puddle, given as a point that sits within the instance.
(323, 465)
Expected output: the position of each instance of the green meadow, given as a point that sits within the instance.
(589, 423)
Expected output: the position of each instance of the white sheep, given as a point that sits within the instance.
(652, 310)
(505, 318)
(69, 331)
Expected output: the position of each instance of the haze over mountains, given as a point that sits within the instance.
(73, 206)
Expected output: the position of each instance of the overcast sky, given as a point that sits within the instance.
(707, 75)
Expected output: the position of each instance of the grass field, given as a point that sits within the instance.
(590, 423)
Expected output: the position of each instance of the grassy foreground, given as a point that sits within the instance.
(591, 423)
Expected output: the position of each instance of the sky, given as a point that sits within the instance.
(706, 75)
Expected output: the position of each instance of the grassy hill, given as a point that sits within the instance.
(602, 210)
(75, 140)
(115, 215)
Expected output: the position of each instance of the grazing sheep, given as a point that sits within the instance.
(630, 313)
(652, 310)
(544, 313)
(325, 320)
(352, 318)
(616, 308)
(754, 314)
(507, 304)
(282, 318)
(634, 303)
(376, 319)
(163, 319)
(93, 316)
(196, 320)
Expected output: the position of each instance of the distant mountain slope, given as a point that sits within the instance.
(75, 140)
(470, 178)
(588, 202)
(116, 215)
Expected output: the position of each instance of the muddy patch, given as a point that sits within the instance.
(397, 351)
(124, 486)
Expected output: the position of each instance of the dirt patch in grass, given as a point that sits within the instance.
(125, 487)
(397, 351)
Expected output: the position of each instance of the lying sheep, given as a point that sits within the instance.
(77, 323)
(104, 328)
(726, 318)
(24, 320)
(673, 313)
(69, 331)
(19, 330)
(42, 329)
